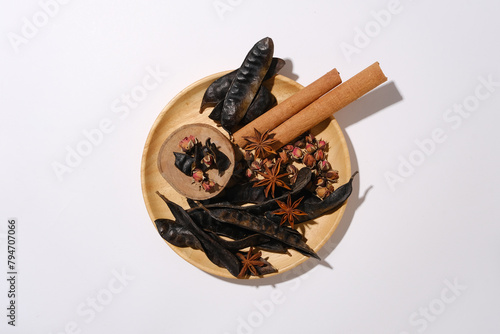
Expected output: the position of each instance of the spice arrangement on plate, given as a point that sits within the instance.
(280, 176)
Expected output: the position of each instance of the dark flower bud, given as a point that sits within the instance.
(301, 143)
(297, 153)
(198, 175)
(319, 155)
(309, 160)
(332, 175)
(187, 143)
(310, 139)
(324, 165)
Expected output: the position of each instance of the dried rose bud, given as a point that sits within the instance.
(297, 153)
(320, 182)
(284, 157)
(300, 143)
(249, 173)
(310, 138)
(324, 165)
(291, 169)
(208, 185)
(208, 160)
(330, 187)
(319, 155)
(292, 178)
(249, 156)
(256, 165)
(322, 144)
(332, 175)
(269, 163)
(311, 148)
(322, 192)
(187, 143)
(198, 175)
(309, 160)
(288, 147)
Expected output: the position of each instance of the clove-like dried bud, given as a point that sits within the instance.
(256, 165)
(300, 143)
(187, 143)
(208, 160)
(269, 163)
(310, 138)
(319, 155)
(297, 153)
(324, 165)
(322, 192)
(198, 175)
(309, 160)
(332, 175)
(311, 148)
(330, 187)
(283, 155)
(248, 156)
(320, 182)
(249, 173)
(208, 185)
(291, 169)
(322, 144)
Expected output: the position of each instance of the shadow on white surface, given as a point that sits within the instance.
(287, 70)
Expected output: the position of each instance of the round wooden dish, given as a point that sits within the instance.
(184, 109)
(182, 183)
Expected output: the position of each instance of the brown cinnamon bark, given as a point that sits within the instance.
(328, 104)
(289, 107)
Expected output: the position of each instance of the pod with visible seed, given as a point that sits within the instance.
(246, 83)
(214, 251)
(315, 207)
(176, 234)
(263, 226)
(264, 101)
(216, 111)
(252, 240)
(219, 88)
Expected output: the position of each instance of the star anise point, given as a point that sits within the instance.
(289, 210)
(272, 179)
(262, 143)
(249, 262)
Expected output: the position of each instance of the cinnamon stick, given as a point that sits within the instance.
(289, 107)
(325, 106)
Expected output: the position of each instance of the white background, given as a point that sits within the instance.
(401, 244)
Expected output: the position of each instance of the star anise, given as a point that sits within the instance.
(272, 179)
(289, 210)
(249, 262)
(261, 143)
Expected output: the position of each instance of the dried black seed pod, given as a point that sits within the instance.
(246, 83)
(216, 113)
(219, 88)
(176, 234)
(260, 104)
(315, 207)
(214, 251)
(252, 240)
(263, 226)
(184, 162)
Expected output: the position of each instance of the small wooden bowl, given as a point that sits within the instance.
(182, 183)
